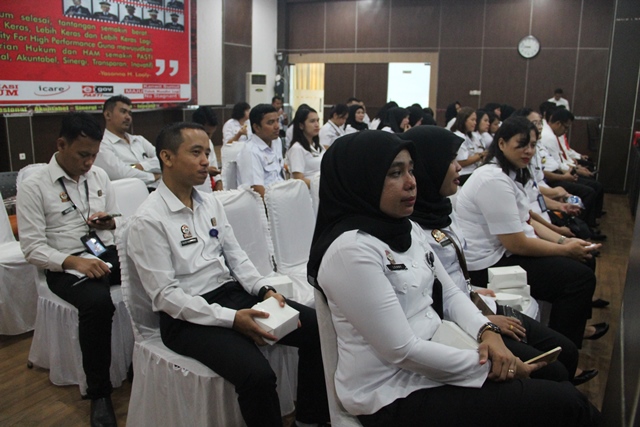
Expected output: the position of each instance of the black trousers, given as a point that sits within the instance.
(514, 403)
(567, 284)
(92, 298)
(541, 339)
(237, 359)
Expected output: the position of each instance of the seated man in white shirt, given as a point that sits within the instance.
(204, 285)
(260, 162)
(334, 127)
(123, 155)
(64, 214)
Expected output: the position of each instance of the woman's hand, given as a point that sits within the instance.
(503, 362)
(579, 249)
(510, 326)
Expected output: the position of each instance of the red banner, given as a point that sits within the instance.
(83, 51)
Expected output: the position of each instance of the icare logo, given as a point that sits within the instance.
(51, 90)
(87, 89)
(8, 90)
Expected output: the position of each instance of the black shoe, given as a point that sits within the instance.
(599, 303)
(601, 329)
(584, 377)
(102, 414)
(597, 235)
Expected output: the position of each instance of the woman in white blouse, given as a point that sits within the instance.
(471, 152)
(493, 213)
(305, 154)
(235, 132)
(387, 293)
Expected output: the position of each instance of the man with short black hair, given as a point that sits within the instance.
(204, 286)
(123, 155)
(60, 207)
(260, 163)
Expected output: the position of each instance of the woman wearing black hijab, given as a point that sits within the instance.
(355, 121)
(437, 177)
(378, 274)
(396, 120)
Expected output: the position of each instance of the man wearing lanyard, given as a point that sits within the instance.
(65, 214)
(204, 285)
(123, 155)
(260, 162)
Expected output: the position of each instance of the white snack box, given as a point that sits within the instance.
(501, 278)
(449, 333)
(282, 284)
(281, 320)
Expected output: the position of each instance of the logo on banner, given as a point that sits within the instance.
(89, 91)
(8, 90)
(139, 91)
(51, 90)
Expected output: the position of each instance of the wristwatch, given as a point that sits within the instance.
(488, 327)
(263, 291)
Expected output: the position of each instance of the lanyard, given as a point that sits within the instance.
(73, 205)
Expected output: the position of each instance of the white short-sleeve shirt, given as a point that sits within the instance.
(491, 203)
(260, 164)
(303, 161)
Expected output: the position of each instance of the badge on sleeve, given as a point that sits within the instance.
(214, 222)
(99, 193)
(393, 266)
(440, 238)
(64, 197)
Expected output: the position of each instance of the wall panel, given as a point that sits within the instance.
(459, 72)
(556, 23)
(503, 77)
(373, 24)
(371, 83)
(588, 99)
(237, 21)
(341, 29)
(305, 26)
(415, 25)
(237, 62)
(552, 68)
(506, 23)
(338, 83)
(462, 22)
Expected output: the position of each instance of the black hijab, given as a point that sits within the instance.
(393, 118)
(352, 118)
(435, 149)
(352, 175)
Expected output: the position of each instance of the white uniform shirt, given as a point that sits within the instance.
(469, 147)
(554, 148)
(487, 140)
(329, 132)
(50, 229)
(384, 322)
(559, 102)
(447, 255)
(259, 164)
(303, 161)
(116, 157)
(491, 203)
(138, 150)
(178, 260)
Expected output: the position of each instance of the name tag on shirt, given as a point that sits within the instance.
(396, 267)
(69, 209)
(189, 241)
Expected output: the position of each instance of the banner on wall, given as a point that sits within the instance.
(61, 52)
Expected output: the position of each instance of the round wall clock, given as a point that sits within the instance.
(529, 47)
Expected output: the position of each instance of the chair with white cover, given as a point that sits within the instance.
(329, 344)
(26, 172)
(130, 193)
(230, 176)
(168, 388)
(18, 294)
(314, 189)
(245, 212)
(292, 222)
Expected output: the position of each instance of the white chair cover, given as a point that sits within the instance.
(245, 211)
(329, 344)
(292, 223)
(26, 171)
(314, 189)
(230, 176)
(18, 294)
(171, 389)
(56, 346)
(130, 193)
